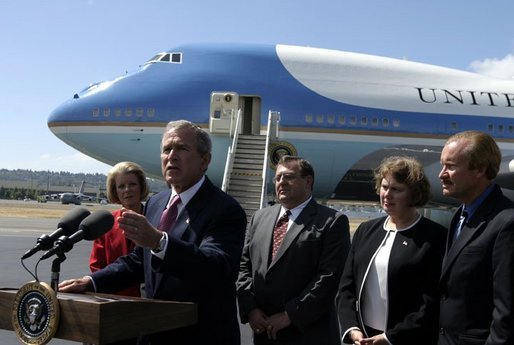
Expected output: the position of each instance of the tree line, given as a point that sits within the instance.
(26, 183)
(18, 193)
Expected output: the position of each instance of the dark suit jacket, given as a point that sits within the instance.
(200, 265)
(412, 279)
(304, 276)
(477, 278)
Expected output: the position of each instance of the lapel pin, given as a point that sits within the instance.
(404, 243)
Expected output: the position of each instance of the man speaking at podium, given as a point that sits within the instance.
(189, 243)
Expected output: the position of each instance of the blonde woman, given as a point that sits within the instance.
(126, 185)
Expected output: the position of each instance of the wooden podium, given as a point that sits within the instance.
(102, 318)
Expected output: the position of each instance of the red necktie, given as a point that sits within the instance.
(278, 233)
(169, 216)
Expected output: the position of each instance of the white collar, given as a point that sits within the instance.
(188, 194)
(295, 212)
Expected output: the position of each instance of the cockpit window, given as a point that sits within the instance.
(166, 57)
(156, 57)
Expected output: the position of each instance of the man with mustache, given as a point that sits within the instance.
(477, 276)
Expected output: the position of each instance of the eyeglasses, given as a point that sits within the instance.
(286, 177)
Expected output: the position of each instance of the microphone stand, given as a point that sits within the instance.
(56, 269)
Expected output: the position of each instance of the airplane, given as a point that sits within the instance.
(342, 111)
(68, 197)
(76, 197)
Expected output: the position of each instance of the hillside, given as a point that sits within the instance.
(35, 183)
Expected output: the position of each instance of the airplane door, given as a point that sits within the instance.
(223, 111)
(251, 109)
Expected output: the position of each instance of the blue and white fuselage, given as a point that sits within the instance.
(342, 111)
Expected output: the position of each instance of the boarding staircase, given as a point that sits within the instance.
(246, 178)
(246, 168)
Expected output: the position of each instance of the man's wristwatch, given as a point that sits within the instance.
(161, 244)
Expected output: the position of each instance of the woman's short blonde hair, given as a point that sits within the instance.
(125, 168)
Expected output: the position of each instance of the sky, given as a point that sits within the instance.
(51, 49)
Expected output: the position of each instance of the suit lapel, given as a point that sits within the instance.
(266, 234)
(188, 214)
(303, 220)
(181, 225)
(195, 206)
(154, 217)
(474, 226)
(193, 209)
(468, 233)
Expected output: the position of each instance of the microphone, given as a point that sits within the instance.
(66, 227)
(92, 227)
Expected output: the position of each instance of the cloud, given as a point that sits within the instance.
(498, 68)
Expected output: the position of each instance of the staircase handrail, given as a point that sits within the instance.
(271, 132)
(229, 163)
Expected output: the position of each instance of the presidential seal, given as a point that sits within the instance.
(279, 149)
(35, 314)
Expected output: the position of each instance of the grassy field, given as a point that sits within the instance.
(55, 210)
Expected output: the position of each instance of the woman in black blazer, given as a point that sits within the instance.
(388, 291)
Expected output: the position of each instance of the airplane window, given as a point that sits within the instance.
(140, 112)
(319, 119)
(331, 119)
(150, 112)
(500, 128)
(117, 112)
(107, 112)
(176, 57)
(396, 123)
(454, 126)
(374, 121)
(90, 87)
(385, 122)
(96, 112)
(342, 120)
(166, 57)
(511, 129)
(364, 121)
(490, 127)
(353, 120)
(308, 118)
(156, 58)
(128, 112)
